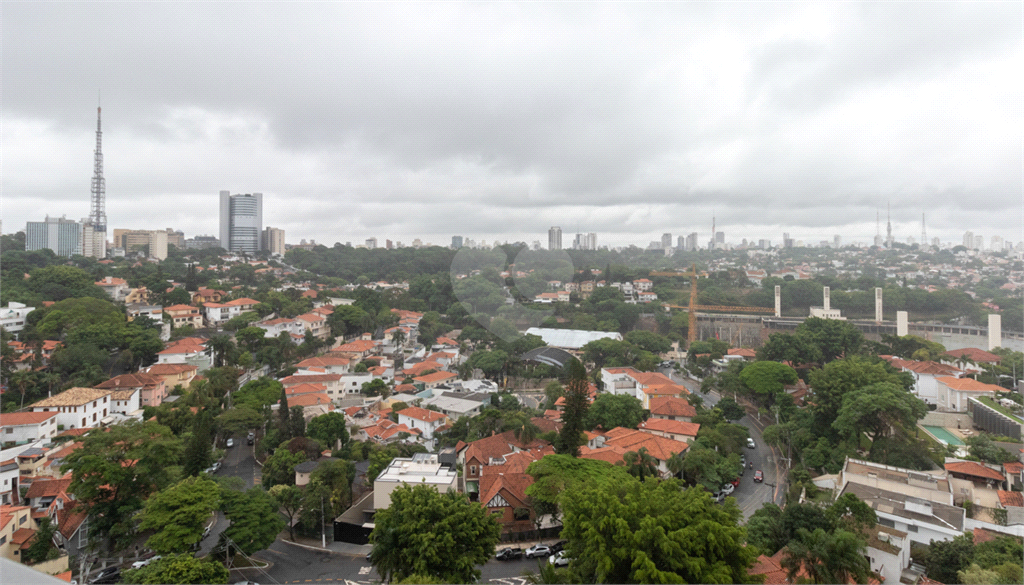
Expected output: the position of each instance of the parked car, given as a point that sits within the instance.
(108, 575)
(144, 562)
(728, 489)
(735, 483)
(230, 443)
(758, 476)
(537, 551)
(508, 554)
(559, 559)
(751, 444)
(743, 460)
(251, 438)
(558, 546)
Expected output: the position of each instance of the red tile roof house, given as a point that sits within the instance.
(435, 379)
(152, 389)
(327, 365)
(978, 356)
(489, 451)
(954, 392)
(672, 408)
(425, 420)
(20, 427)
(503, 491)
(332, 382)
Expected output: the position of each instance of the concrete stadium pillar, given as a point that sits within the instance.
(995, 331)
(878, 304)
(778, 301)
(902, 323)
(828, 299)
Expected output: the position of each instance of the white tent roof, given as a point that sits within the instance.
(571, 338)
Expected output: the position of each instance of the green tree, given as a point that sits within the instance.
(641, 464)
(424, 532)
(983, 449)
(552, 392)
(279, 468)
(649, 341)
(41, 544)
(978, 576)
(946, 558)
(178, 568)
(827, 558)
(337, 476)
(179, 514)
(767, 379)
(376, 387)
(839, 378)
(240, 420)
(765, 529)
(555, 474)
(116, 470)
(653, 532)
(297, 422)
(289, 498)
(731, 410)
(329, 429)
(878, 409)
(577, 402)
(255, 521)
(614, 410)
(199, 448)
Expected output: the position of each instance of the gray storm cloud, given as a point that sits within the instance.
(498, 120)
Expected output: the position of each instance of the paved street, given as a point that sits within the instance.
(239, 461)
(750, 496)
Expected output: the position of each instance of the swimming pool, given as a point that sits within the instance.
(943, 435)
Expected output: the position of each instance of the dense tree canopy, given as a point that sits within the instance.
(614, 410)
(179, 514)
(424, 532)
(653, 532)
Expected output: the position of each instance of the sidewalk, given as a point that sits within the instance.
(344, 548)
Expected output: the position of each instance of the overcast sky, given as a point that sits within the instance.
(499, 120)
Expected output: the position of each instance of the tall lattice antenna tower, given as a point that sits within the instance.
(98, 209)
(924, 233)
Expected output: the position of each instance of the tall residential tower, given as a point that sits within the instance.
(241, 221)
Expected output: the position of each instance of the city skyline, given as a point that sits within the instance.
(809, 131)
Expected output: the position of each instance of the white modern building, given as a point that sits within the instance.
(420, 469)
(241, 222)
(19, 427)
(62, 235)
(12, 317)
(77, 408)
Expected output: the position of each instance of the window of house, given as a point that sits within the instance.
(3, 539)
(472, 469)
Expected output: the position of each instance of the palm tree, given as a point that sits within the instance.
(675, 464)
(526, 433)
(398, 337)
(641, 463)
(21, 380)
(221, 346)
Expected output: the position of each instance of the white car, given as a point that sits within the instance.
(728, 489)
(230, 443)
(751, 444)
(559, 559)
(140, 564)
(538, 550)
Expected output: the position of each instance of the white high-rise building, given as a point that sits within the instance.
(968, 240)
(63, 236)
(241, 221)
(555, 238)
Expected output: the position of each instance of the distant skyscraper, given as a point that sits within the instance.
(666, 241)
(241, 221)
(371, 243)
(764, 244)
(787, 242)
(273, 240)
(969, 240)
(681, 242)
(979, 242)
(555, 238)
(96, 246)
(62, 235)
(719, 238)
(153, 243)
(592, 241)
(456, 242)
(837, 241)
(692, 241)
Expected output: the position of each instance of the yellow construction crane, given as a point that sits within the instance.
(691, 333)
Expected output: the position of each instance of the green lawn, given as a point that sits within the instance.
(987, 401)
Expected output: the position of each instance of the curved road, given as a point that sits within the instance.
(750, 496)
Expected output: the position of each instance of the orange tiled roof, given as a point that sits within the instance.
(671, 406)
(169, 369)
(660, 448)
(1008, 499)
(436, 377)
(310, 378)
(421, 414)
(974, 469)
(968, 384)
(974, 354)
(13, 419)
(677, 427)
(47, 487)
(323, 362)
(309, 399)
(138, 380)
(307, 388)
(1013, 467)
